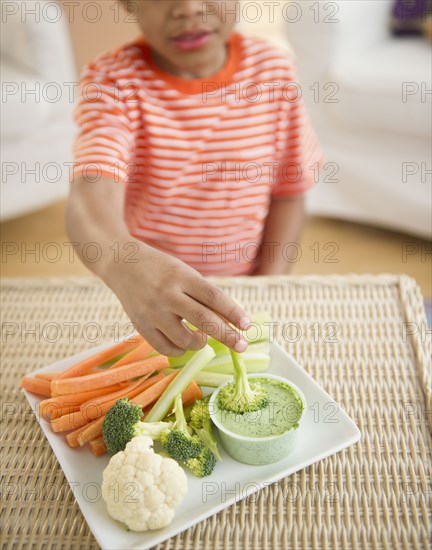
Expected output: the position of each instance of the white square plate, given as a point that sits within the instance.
(326, 429)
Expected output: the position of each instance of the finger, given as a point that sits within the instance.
(181, 335)
(198, 335)
(212, 324)
(162, 343)
(219, 302)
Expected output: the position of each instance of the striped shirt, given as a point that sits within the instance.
(200, 159)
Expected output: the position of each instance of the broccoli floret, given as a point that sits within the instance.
(203, 464)
(201, 423)
(181, 446)
(185, 447)
(200, 414)
(240, 396)
(152, 429)
(123, 422)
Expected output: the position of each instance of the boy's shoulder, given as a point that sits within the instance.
(258, 44)
(266, 54)
(110, 63)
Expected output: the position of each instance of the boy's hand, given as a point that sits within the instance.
(159, 291)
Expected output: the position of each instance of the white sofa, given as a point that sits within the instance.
(36, 129)
(378, 141)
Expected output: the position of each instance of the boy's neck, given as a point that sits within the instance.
(198, 72)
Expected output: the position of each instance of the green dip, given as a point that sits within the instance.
(281, 414)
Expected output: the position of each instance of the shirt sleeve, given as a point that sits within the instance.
(301, 155)
(104, 141)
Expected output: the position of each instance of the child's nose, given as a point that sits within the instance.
(187, 8)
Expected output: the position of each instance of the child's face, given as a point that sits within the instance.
(187, 37)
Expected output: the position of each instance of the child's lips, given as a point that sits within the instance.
(192, 40)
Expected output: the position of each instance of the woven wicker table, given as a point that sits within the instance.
(363, 338)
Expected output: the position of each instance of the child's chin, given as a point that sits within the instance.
(204, 52)
(189, 61)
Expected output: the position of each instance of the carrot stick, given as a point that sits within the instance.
(146, 410)
(192, 393)
(72, 437)
(57, 412)
(130, 391)
(86, 365)
(189, 396)
(150, 395)
(95, 429)
(97, 446)
(108, 377)
(45, 375)
(73, 420)
(115, 394)
(91, 431)
(36, 385)
(137, 354)
(47, 406)
(105, 407)
(147, 397)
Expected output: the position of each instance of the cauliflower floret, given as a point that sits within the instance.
(140, 444)
(141, 488)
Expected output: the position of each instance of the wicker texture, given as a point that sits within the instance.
(376, 494)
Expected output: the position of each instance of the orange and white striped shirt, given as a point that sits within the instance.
(200, 159)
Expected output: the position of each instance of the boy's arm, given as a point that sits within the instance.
(284, 225)
(156, 290)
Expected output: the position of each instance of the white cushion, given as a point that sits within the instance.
(36, 56)
(368, 182)
(22, 112)
(36, 132)
(36, 167)
(371, 87)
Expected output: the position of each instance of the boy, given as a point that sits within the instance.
(193, 155)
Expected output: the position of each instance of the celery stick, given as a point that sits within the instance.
(207, 377)
(258, 332)
(258, 347)
(254, 336)
(211, 379)
(262, 332)
(222, 364)
(256, 359)
(255, 362)
(181, 359)
(179, 384)
(219, 348)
